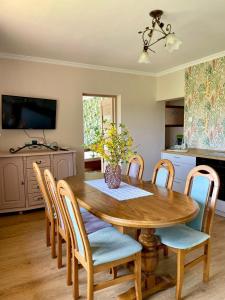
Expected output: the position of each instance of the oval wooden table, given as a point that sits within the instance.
(162, 209)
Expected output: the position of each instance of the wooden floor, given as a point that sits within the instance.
(27, 271)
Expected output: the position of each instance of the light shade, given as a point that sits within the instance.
(144, 58)
(172, 42)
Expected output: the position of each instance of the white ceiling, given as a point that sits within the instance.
(105, 33)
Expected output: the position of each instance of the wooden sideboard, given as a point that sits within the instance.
(19, 190)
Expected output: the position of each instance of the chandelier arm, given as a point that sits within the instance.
(145, 41)
(163, 37)
(168, 27)
(161, 31)
(151, 32)
(148, 42)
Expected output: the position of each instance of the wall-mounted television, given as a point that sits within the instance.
(28, 113)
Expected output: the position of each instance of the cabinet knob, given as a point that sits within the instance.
(22, 183)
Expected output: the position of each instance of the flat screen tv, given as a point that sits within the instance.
(28, 113)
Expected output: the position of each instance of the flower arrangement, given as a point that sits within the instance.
(113, 144)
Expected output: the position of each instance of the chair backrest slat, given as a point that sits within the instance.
(80, 242)
(135, 166)
(41, 184)
(163, 174)
(203, 182)
(52, 191)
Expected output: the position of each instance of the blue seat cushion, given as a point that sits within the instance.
(134, 170)
(181, 236)
(92, 223)
(162, 177)
(109, 244)
(82, 210)
(199, 192)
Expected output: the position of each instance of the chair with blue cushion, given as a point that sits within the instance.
(50, 217)
(163, 174)
(92, 224)
(202, 185)
(98, 251)
(135, 166)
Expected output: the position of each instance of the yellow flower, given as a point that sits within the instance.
(112, 145)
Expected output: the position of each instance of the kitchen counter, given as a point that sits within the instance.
(211, 154)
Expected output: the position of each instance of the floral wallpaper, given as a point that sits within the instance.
(204, 117)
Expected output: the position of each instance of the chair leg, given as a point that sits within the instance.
(75, 279)
(165, 251)
(207, 249)
(90, 285)
(180, 273)
(68, 262)
(47, 227)
(59, 252)
(113, 271)
(137, 270)
(138, 232)
(53, 246)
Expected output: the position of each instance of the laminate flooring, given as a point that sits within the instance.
(27, 271)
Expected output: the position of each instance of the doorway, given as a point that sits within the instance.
(96, 110)
(174, 122)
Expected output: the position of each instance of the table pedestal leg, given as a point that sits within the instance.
(150, 282)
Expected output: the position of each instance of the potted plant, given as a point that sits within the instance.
(114, 145)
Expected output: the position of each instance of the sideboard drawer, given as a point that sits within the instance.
(35, 199)
(33, 187)
(176, 158)
(182, 170)
(43, 161)
(31, 175)
(178, 185)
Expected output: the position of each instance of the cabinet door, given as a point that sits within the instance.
(12, 190)
(62, 165)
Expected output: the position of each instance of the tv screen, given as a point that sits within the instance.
(28, 113)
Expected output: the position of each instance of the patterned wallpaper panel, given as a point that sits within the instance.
(204, 117)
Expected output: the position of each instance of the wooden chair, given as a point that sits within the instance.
(62, 228)
(92, 224)
(202, 181)
(135, 166)
(163, 174)
(50, 216)
(99, 251)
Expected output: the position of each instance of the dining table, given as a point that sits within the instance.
(159, 208)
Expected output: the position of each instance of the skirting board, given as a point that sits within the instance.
(220, 208)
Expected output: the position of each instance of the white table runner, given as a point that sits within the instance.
(124, 192)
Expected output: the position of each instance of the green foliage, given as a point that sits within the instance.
(91, 118)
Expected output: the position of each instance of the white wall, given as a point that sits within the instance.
(139, 110)
(170, 86)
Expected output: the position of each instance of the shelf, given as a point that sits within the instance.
(175, 125)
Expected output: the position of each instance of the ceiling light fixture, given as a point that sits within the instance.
(164, 32)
